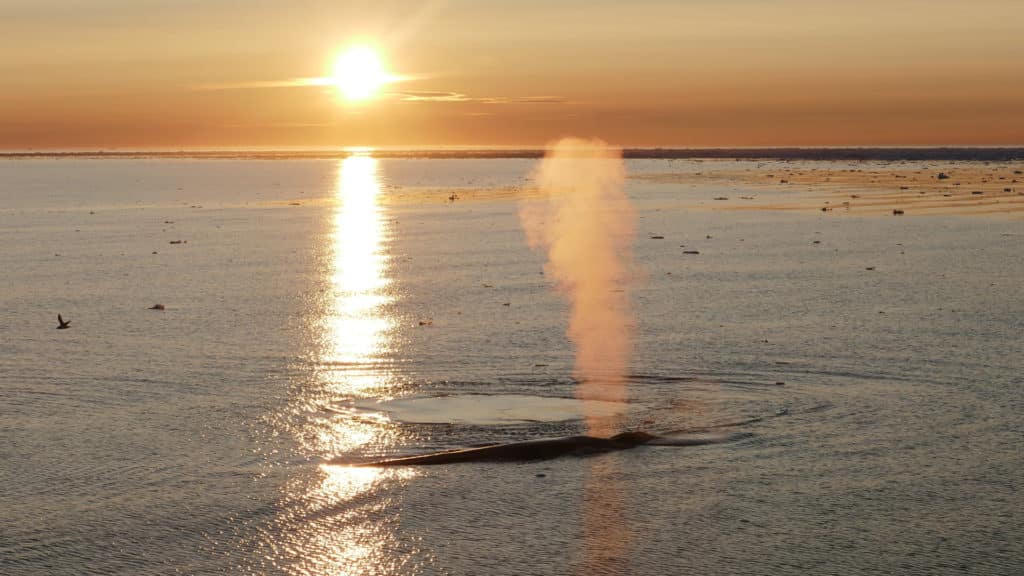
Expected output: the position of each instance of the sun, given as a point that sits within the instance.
(359, 73)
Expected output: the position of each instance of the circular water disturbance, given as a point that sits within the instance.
(486, 409)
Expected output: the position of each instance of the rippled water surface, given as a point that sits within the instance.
(318, 310)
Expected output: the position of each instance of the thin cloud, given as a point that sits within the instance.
(292, 83)
(442, 96)
(405, 96)
(538, 100)
(432, 96)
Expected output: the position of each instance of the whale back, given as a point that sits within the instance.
(632, 438)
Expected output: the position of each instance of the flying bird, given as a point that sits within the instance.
(63, 325)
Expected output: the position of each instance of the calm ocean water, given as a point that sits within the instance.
(306, 298)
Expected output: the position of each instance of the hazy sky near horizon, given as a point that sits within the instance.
(208, 73)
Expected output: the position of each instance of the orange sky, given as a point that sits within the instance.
(184, 73)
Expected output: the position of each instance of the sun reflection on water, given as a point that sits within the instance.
(333, 512)
(356, 329)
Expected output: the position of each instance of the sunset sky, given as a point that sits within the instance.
(155, 74)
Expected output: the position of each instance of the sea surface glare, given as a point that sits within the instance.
(376, 308)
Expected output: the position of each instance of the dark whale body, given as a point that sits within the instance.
(546, 448)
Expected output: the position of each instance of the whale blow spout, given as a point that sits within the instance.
(584, 222)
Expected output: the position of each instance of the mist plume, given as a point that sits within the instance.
(585, 222)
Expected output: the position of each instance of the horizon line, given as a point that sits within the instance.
(951, 152)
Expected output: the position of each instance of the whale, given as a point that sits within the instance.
(547, 448)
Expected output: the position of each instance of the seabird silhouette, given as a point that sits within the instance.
(63, 325)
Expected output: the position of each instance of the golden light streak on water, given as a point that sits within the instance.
(333, 532)
(356, 329)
